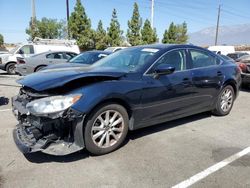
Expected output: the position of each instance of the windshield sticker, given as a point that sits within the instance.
(102, 55)
(153, 50)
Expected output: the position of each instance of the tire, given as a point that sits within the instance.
(106, 128)
(225, 101)
(10, 68)
(39, 68)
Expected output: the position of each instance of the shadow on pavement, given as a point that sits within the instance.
(40, 157)
(245, 89)
(4, 101)
(168, 125)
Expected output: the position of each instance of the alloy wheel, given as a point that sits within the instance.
(107, 129)
(226, 100)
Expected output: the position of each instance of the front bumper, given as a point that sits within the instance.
(25, 141)
(56, 134)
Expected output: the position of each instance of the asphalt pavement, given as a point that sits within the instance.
(159, 156)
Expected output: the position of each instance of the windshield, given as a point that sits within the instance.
(87, 58)
(14, 50)
(129, 60)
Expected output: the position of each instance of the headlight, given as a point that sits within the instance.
(52, 104)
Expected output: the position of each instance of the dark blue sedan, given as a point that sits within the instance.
(60, 112)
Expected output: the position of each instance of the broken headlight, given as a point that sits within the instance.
(53, 104)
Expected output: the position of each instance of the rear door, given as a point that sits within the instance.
(57, 57)
(207, 77)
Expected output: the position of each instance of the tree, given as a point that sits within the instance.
(32, 31)
(176, 34)
(1, 40)
(80, 27)
(114, 31)
(134, 27)
(46, 28)
(148, 35)
(182, 36)
(101, 41)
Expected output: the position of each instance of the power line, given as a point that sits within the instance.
(235, 14)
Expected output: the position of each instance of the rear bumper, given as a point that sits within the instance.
(23, 70)
(245, 78)
(2, 66)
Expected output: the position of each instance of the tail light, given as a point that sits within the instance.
(243, 67)
(21, 61)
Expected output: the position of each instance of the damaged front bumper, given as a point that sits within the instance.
(56, 134)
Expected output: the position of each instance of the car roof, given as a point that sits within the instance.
(167, 46)
(237, 53)
(98, 52)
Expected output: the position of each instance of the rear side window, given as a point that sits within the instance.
(203, 59)
(55, 56)
(69, 56)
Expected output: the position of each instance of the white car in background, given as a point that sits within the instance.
(8, 61)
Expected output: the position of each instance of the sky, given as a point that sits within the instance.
(198, 14)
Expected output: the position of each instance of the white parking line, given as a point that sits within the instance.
(5, 110)
(212, 169)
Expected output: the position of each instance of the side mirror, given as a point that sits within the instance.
(21, 51)
(164, 69)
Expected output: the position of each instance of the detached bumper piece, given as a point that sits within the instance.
(60, 136)
(56, 134)
(26, 141)
(245, 78)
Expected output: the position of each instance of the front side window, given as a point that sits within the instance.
(27, 49)
(203, 59)
(176, 59)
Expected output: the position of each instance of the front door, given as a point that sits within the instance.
(167, 96)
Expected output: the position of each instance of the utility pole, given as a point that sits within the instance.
(152, 13)
(33, 20)
(217, 27)
(33, 12)
(67, 7)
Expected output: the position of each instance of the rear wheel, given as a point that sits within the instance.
(225, 101)
(39, 68)
(10, 68)
(106, 129)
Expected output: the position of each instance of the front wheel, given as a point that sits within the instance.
(225, 101)
(10, 68)
(106, 128)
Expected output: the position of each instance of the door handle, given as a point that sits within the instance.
(219, 73)
(186, 81)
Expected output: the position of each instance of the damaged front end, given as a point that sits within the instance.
(54, 131)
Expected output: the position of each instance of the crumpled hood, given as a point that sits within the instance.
(49, 79)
